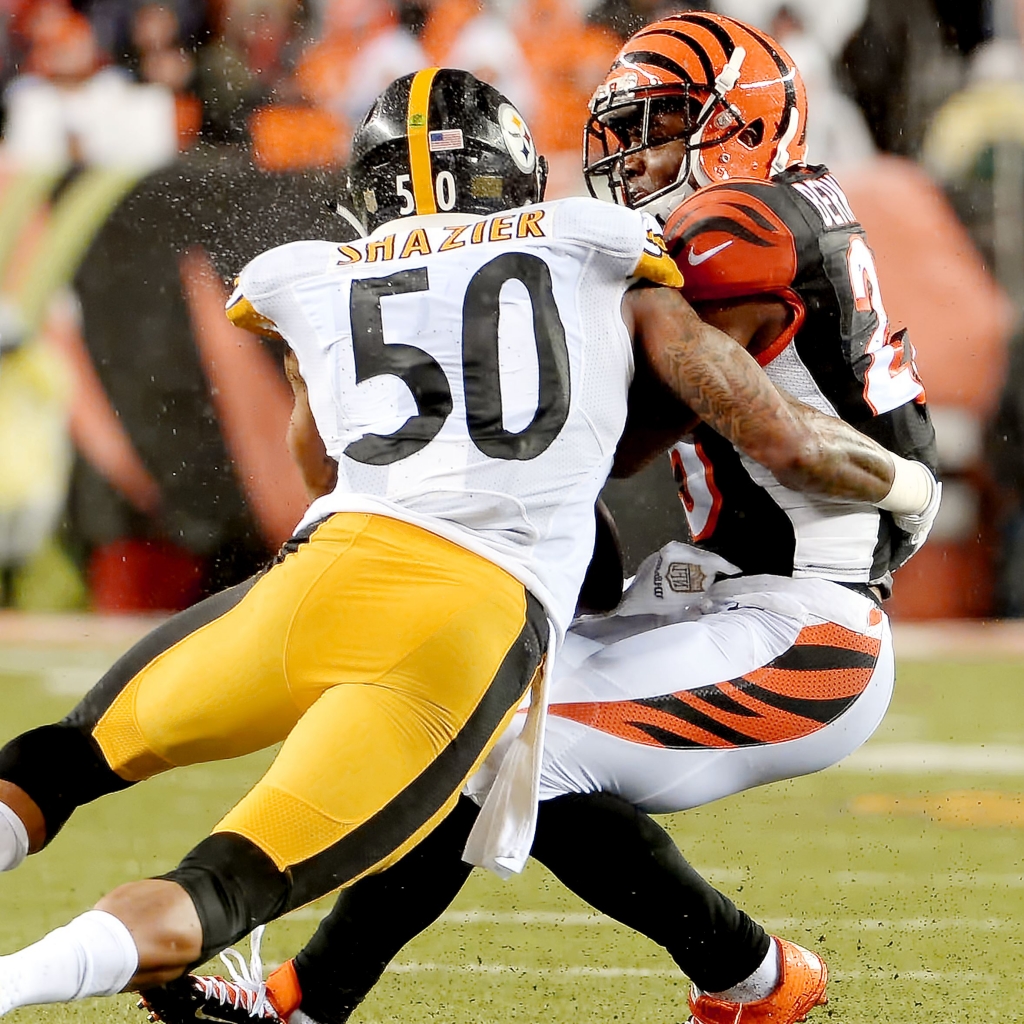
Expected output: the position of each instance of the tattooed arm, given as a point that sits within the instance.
(724, 386)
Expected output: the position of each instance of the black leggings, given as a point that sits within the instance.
(605, 850)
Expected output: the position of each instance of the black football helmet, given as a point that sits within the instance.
(441, 140)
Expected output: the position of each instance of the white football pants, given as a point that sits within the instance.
(692, 690)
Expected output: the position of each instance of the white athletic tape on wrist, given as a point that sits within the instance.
(912, 489)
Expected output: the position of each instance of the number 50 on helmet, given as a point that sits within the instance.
(726, 94)
(440, 141)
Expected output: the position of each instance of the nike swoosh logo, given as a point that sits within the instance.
(695, 258)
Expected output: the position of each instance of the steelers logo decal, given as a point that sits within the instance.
(517, 138)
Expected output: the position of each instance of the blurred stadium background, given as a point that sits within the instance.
(150, 147)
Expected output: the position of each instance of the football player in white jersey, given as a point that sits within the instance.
(760, 654)
(467, 366)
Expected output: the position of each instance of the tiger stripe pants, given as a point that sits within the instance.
(765, 678)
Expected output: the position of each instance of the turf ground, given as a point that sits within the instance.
(903, 867)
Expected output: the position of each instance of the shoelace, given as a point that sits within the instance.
(247, 989)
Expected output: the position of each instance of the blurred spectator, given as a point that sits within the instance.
(158, 56)
(488, 47)
(830, 23)
(324, 70)
(1006, 459)
(240, 69)
(837, 134)
(112, 21)
(156, 52)
(566, 69)
(70, 106)
(35, 457)
(975, 147)
(905, 61)
(9, 10)
(444, 21)
(365, 45)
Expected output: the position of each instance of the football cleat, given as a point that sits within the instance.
(242, 998)
(802, 980)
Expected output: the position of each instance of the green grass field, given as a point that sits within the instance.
(903, 867)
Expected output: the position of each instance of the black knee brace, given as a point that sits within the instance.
(234, 885)
(60, 768)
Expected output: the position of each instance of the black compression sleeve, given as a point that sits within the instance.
(624, 864)
(374, 918)
(605, 850)
(60, 768)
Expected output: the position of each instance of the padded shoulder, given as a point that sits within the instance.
(628, 235)
(270, 272)
(285, 265)
(732, 240)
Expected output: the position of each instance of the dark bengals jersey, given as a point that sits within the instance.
(795, 238)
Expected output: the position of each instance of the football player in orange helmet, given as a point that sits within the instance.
(693, 100)
(701, 121)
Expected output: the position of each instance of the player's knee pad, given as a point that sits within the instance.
(234, 886)
(60, 768)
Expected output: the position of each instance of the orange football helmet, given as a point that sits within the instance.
(726, 90)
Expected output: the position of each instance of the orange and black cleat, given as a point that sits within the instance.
(802, 980)
(244, 998)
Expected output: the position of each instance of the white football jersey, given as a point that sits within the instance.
(469, 374)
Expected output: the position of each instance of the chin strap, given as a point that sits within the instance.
(781, 160)
(663, 205)
(351, 219)
(724, 83)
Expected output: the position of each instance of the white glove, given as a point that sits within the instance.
(916, 528)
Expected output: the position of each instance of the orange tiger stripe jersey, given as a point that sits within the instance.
(731, 244)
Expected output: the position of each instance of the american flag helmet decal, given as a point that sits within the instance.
(448, 138)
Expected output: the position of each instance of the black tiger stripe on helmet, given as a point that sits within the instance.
(704, 61)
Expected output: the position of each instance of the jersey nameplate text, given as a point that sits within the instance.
(828, 199)
(502, 228)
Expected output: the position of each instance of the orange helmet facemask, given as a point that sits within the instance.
(724, 89)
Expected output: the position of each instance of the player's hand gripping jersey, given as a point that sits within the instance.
(469, 374)
(795, 238)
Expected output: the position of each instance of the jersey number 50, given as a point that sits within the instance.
(480, 368)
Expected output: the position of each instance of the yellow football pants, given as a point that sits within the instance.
(388, 661)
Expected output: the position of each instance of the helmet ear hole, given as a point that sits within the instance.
(752, 135)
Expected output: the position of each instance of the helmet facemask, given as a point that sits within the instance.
(628, 121)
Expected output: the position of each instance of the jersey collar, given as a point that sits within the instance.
(425, 220)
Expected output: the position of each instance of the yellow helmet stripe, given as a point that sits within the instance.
(419, 151)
